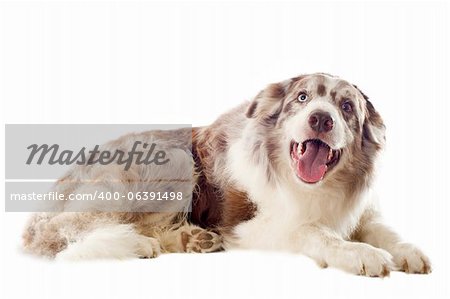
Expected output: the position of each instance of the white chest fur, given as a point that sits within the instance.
(282, 209)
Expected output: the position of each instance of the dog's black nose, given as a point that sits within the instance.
(320, 121)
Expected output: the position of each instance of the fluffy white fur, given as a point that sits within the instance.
(117, 241)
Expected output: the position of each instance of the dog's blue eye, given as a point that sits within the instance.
(302, 97)
(347, 106)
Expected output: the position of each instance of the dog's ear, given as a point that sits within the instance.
(268, 104)
(373, 128)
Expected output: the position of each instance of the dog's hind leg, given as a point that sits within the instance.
(116, 241)
(87, 236)
(42, 236)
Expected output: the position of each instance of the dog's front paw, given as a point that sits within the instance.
(363, 259)
(201, 241)
(410, 259)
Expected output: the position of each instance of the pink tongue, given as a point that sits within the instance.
(312, 164)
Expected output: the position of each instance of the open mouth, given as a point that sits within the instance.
(312, 159)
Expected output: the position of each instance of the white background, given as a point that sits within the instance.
(187, 63)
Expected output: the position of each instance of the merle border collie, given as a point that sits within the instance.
(290, 170)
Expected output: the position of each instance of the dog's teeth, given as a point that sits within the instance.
(330, 154)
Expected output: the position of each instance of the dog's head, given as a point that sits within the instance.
(317, 127)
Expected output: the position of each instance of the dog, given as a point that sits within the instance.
(290, 171)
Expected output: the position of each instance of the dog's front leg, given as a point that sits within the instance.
(328, 249)
(407, 257)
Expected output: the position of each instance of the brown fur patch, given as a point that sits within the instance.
(333, 95)
(275, 90)
(321, 90)
(213, 206)
(373, 122)
(251, 109)
(288, 106)
(272, 119)
(237, 208)
(206, 208)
